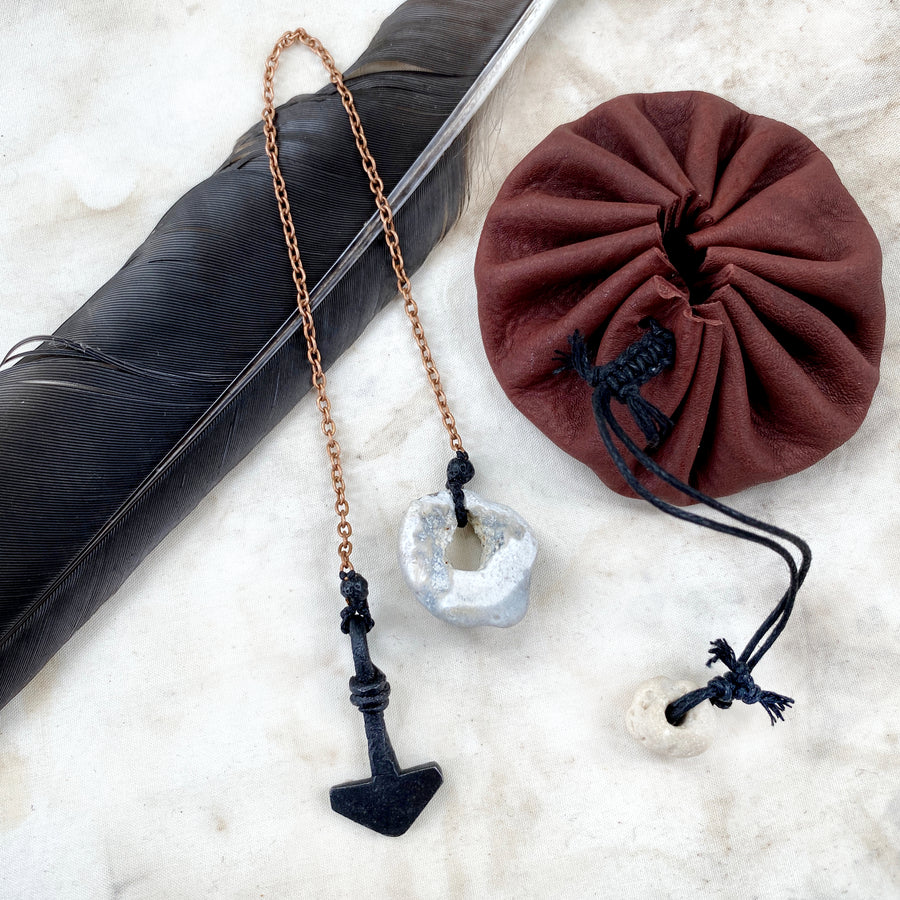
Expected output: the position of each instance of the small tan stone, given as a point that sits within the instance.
(646, 719)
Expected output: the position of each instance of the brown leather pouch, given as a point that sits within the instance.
(731, 230)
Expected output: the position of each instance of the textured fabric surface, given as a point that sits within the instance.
(182, 744)
(734, 232)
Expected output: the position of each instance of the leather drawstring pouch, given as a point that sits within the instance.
(685, 297)
(731, 230)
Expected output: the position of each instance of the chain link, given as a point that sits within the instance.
(341, 506)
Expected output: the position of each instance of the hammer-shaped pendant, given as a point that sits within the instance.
(391, 800)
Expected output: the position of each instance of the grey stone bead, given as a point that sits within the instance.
(494, 594)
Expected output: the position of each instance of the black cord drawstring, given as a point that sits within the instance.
(622, 379)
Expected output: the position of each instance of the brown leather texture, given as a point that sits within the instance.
(730, 229)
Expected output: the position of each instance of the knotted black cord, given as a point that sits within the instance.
(355, 590)
(460, 471)
(651, 354)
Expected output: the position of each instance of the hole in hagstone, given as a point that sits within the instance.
(465, 551)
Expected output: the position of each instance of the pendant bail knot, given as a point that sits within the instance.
(355, 590)
(460, 471)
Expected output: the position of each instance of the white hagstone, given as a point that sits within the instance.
(496, 593)
(646, 719)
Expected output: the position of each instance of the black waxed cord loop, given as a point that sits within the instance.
(460, 471)
(778, 617)
(650, 353)
(355, 590)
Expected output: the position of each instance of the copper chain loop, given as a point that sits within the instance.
(341, 507)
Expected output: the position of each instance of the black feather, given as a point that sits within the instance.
(114, 430)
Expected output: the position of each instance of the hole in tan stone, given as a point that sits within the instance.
(464, 551)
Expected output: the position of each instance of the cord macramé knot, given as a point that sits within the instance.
(638, 363)
(355, 590)
(460, 471)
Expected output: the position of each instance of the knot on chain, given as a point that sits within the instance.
(355, 590)
(738, 684)
(370, 695)
(459, 472)
(638, 363)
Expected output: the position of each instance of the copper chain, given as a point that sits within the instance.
(341, 506)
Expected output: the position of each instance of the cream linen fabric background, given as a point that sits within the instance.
(182, 745)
